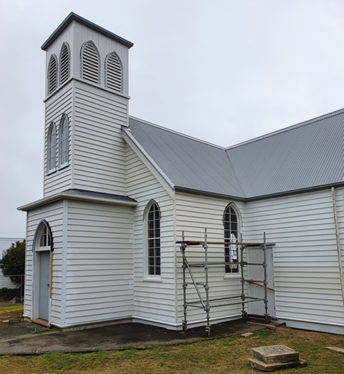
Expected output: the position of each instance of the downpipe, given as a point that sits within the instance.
(340, 267)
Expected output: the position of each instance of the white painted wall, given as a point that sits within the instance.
(154, 297)
(98, 266)
(306, 270)
(98, 146)
(53, 214)
(60, 103)
(194, 213)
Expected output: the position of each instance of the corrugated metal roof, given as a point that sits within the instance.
(187, 162)
(303, 156)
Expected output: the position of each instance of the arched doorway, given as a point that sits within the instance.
(43, 247)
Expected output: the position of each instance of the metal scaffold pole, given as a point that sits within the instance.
(266, 315)
(182, 248)
(206, 286)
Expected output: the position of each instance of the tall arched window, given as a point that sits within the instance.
(51, 148)
(153, 239)
(113, 72)
(231, 234)
(63, 140)
(90, 63)
(52, 74)
(64, 63)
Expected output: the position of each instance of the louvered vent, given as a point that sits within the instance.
(64, 63)
(52, 74)
(90, 63)
(114, 73)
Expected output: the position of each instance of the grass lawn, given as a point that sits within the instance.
(5, 307)
(226, 355)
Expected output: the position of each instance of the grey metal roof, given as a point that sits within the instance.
(102, 195)
(187, 162)
(74, 17)
(301, 157)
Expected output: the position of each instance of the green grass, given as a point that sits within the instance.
(6, 307)
(219, 356)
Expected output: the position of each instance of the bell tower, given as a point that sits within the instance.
(86, 105)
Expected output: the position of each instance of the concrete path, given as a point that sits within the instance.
(26, 338)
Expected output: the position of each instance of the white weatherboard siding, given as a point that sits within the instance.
(306, 270)
(99, 270)
(60, 179)
(99, 149)
(194, 213)
(154, 298)
(53, 214)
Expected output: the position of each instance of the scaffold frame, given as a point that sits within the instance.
(206, 303)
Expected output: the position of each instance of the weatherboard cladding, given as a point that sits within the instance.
(300, 157)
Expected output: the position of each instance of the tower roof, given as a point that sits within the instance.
(74, 17)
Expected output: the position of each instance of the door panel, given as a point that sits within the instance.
(44, 279)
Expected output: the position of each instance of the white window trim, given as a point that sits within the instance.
(66, 163)
(150, 277)
(52, 126)
(238, 217)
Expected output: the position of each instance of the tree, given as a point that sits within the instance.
(13, 261)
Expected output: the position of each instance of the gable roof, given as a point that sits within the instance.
(306, 156)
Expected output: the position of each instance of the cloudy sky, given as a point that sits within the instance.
(223, 71)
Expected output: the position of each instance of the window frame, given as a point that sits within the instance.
(231, 234)
(51, 149)
(152, 238)
(63, 140)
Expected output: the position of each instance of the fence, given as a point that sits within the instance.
(12, 285)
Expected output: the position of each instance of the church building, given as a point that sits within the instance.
(120, 192)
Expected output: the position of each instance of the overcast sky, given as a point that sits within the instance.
(223, 71)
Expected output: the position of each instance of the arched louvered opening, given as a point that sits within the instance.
(113, 69)
(52, 74)
(90, 63)
(64, 63)
(51, 148)
(63, 140)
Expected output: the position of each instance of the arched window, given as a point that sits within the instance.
(43, 238)
(64, 63)
(63, 140)
(52, 74)
(231, 234)
(51, 148)
(90, 62)
(153, 239)
(113, 72)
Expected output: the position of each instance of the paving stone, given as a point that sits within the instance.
(275, 366)
(246, 335)
(336, 349)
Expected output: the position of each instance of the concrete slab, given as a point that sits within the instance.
(275, 353)
(26, 338)
(336, 349)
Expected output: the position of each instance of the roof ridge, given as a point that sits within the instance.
(176, 132)
(288, 128)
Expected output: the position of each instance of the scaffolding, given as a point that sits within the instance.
(207, 303)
